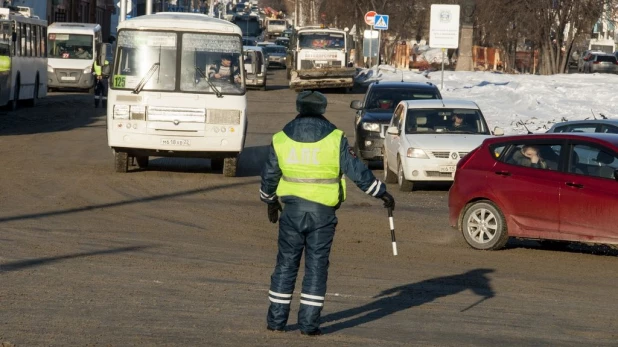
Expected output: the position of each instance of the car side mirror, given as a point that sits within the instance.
(392, 130)
(356, 104)
(498, 131)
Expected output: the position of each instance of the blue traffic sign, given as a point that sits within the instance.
(381, 22)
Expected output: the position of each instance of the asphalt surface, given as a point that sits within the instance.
(180, 255)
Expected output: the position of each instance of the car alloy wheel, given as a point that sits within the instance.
(483, 226)
(404, 185)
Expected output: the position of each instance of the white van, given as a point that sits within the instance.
(256, 66)
(177, 89)
(71, 50)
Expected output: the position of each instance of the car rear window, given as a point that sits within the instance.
(388, 98)
(606, 58)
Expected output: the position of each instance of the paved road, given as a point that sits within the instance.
(179, 255)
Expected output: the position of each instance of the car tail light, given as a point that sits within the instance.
(463, 161)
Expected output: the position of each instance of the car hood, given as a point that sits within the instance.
(377, 117)
(458, 142)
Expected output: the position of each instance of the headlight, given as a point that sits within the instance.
(371, 127)
(416, 153)
(223, 117)
(138, 112)
(50, 69)
(88, 70)
(121, 111)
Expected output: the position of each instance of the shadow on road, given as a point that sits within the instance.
(411, 295)
(125, 202)
(24, 264)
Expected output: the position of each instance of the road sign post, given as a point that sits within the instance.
(380, 23)
(370, 19)
(444, 30)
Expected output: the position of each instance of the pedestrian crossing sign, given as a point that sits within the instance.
(381, 22)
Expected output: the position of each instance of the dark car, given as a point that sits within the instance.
(586, 126)
(275, 54)
(559, 186)
(374, 113)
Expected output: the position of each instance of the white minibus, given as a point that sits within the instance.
(177, 89)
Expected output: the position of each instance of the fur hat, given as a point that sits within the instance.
(310, 102)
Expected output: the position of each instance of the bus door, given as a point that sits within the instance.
(5, 60)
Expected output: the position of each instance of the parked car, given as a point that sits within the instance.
(276, 55)
(585, 56)
(426, 139)
(586, 126)
(570, 194)
(374, 113)
(255, 67)
(598, 62)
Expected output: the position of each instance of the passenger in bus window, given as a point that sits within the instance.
(223, 70)
(82, 53)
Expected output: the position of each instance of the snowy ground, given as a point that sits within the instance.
(509, 100)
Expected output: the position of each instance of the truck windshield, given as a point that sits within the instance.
(137, 52)
(320, 40)
(218, 56)
(70, 46)
(276, 22)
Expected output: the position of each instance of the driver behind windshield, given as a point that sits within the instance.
(224, 70)
(458, 124)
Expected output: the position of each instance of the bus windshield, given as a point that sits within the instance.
(211, 60)
(323, 40)
(70, 46)
(141, 51)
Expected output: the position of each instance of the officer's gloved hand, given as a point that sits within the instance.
(273, 211)
(389, 201)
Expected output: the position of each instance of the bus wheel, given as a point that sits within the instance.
(121, 161)
(35, 96)
(14, 104)
(229, 166)
(142, 161)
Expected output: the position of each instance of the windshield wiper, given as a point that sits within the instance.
(212, 86)
(146, 78)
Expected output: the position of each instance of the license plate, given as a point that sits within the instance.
(175, 142)
(449, 168)
(67, 78)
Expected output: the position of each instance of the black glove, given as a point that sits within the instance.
(389, 201)
(273, 211)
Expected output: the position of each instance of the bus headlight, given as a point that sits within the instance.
(50, 69)
(223, 116)
(87, 70)
(137, 112)
(121, 111)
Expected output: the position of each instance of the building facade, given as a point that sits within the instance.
(82, 11)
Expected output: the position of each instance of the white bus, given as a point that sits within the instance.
(72, 48)
(23, 59)
(177, 88)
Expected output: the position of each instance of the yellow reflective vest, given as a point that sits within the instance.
(311, 171)
(97, 67)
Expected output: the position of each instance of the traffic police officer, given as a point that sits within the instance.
(305, 168)
(101, 75)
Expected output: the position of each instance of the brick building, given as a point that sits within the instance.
(82, 11)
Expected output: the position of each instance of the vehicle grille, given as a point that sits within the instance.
(443, 155)
(312, 64)
(68, 76)
(446, 155)
(438, 174)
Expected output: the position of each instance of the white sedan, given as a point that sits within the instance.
(426, 139)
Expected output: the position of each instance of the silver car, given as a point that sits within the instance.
(601, 63)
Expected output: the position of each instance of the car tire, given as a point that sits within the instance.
(230, 166)
(404, 184)
(389, 176)
(121, 162)
(483, 226)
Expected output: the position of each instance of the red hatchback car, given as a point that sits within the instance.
(548, 186)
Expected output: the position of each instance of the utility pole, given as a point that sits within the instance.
(93, 11)
(123, 11)
(149, 6)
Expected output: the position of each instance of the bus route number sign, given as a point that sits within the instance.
(119, 81)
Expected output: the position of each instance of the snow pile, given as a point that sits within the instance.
(508, 101)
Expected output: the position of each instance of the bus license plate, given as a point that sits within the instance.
(449, 168)
(67, 78)
(175, 142)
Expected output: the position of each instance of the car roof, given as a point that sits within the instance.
(445, 103)
(252, 48)
(603, 137)
(408, 84)
(590, 121)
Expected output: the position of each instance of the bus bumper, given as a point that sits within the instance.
(69, 79)
(322, 78)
